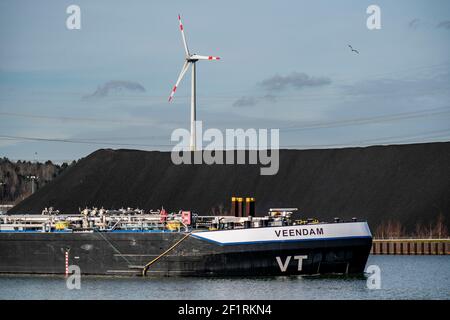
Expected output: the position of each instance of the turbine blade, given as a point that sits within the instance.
(198, 57)
(183, 36)
(183, 71)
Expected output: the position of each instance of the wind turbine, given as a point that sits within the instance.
(190, 59)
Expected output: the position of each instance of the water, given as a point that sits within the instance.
(402, 277)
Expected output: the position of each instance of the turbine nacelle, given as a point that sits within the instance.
(195, 57)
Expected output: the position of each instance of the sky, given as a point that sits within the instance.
(284, 64)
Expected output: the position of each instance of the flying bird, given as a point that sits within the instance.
(353, 50)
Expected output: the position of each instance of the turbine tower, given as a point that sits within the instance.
(190, 59)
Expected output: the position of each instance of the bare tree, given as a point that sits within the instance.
(440, 229)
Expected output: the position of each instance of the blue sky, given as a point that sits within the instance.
(284, 64)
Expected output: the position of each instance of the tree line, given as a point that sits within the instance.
(16, 176)
(436, 229)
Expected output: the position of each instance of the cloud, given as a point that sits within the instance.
(249, 101)
(277, 83)
(414, 23)
(245, 102)
(115, 87)
(270, 98)
(444, 24)
(296, 80)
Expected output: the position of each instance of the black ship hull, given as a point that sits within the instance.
(127, 253)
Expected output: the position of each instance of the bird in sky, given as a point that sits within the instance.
(353, 50)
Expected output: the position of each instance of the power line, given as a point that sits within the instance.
(391, 139)
(384, 140)
(63, 118)
(8, 137)
(374, 119)
(338, 123)
(318, 125)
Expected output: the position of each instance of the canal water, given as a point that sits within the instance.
(402, 277)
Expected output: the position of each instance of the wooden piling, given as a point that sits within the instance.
(411, 246)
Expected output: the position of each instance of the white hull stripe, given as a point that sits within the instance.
(332, 231)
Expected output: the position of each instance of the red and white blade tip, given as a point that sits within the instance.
(172, 93)
(213, 58)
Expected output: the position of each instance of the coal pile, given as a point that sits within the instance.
(405, 183)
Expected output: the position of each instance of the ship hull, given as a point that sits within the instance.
(198, 254)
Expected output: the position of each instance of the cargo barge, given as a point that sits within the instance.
(158, 243)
